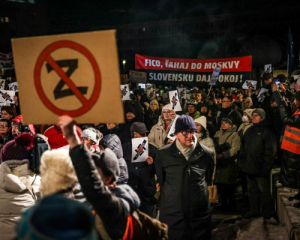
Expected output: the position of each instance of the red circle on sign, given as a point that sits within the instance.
(45, 56)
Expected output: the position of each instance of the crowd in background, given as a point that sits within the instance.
(242, 129)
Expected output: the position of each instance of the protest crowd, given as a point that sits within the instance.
(72, 181)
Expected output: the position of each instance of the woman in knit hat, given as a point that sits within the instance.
(227, 143)
(91, 138)
(19, 186)
(152, 114)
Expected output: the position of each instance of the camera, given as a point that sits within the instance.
(35, 153)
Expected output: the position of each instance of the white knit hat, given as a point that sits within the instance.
(201, 120)
(249, 112)
(167, 107)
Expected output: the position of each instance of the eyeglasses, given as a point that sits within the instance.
(186, 132)
(225, 101)
(153, 104)
(3, 126)
(166, 112)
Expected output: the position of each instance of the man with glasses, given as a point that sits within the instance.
(184, 170)
(228, 112)
(159, 132)
(5, 132)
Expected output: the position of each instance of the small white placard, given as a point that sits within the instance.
(125, 92)
(174, 100)
(139, 149)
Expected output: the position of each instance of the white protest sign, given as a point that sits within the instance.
(249, 84)
(182, 93)
(13, 86)
(296, 77)
(69, 74)
(7, 96)
(151, 93)
(171, 134)
(174, 100)
(268, 68)
(215, 76)
(261, 96)
(137, 77)
(125, 92)
(2, 84)
(139, 149)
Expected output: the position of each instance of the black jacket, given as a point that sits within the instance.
(258, 150)
(111, 204)
(290, 163)
(151, 118)
(184, 201)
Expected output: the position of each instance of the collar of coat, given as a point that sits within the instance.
(198, 152)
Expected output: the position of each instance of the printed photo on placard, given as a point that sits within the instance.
(171, 134)
(139, 149)
(261, 96)
(249, 84)
(268, 68)
(174, 100)
(7, 96)
(215, 76)
(2, 84)
(125, 92)
(151, 93)
(13, 86)
(182, 93)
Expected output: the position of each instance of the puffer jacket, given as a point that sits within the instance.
(158, 134)
(113, 142)
(15, 196)
(227, 144)
(290, 167)
(112, 205)
(258, 150)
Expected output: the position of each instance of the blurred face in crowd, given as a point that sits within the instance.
(88, 142)
(247, 104)
(153, 106)
(186, 138)
(14, 129)
(130, 116)
(111, 125)
(167, 115)
(6, 115)
(139, 97)
(138, 135)
(226, 103)
(161, 106)
(268, 81)
(225, 126)
(4, 129)
(256, 118)
(198, 97)
(203, 110)
(193, 95)
(199, 127)
(191, 109)
(297, 103)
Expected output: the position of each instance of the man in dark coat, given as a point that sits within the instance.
(184, 169)
(257, 155)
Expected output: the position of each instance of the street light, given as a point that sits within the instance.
(124, 63)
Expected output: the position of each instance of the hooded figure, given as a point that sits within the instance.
(19, 186)
(112, 142)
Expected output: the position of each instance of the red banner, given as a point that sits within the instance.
(238, 64)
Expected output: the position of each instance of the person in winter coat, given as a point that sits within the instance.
(227, 112)
(5, 132)
(141, 174)
(257, 155)
(247, 121)
(58, 175)
(152, 114)
(227, 143)
(19, 186)
(159, 132)
(97, 175)
(112, 142)
(184, 169)
(203, 136)
(290, 164)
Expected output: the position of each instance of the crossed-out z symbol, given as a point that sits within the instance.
(73, 65)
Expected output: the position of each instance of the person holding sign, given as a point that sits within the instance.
(141, 174)
(184, 170)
